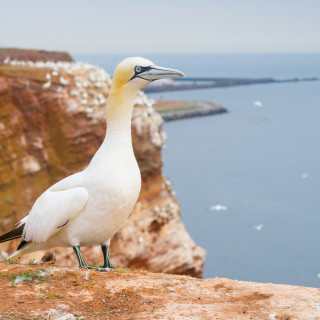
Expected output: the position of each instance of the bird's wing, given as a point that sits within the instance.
(54, 208)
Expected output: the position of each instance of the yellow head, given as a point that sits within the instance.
(129, 77)
(136, 72)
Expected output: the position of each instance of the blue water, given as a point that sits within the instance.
(251, 160)
(222, 65)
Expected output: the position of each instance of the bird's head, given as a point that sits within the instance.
(134, 73)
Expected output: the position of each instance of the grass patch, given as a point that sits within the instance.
(48, 296)
(32, 262)
(8, 260)
(35, 276)
(89, 285)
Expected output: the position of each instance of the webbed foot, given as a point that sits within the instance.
(102, 268)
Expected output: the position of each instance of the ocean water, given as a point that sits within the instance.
(263, 164)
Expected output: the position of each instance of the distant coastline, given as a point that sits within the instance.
(207, 83)
(176, 110)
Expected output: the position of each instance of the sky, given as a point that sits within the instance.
(163, 26)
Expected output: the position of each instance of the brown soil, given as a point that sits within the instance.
(72, 293)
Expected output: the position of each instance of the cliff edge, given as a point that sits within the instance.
(13, 56)
(43, 292)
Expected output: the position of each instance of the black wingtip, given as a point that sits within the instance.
(13, 234)
(21, 244)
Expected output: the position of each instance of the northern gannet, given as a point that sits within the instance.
(89, 207)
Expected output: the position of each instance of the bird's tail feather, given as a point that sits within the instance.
(13, 234)
(19, 253)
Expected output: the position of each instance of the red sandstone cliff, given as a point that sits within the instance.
(52, 120)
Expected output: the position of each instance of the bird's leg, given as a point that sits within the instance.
(106, 258)
(82, 263)
(107, 263)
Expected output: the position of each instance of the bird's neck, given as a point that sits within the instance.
(119, 114)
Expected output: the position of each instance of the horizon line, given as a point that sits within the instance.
(187, 53)
(161, 53)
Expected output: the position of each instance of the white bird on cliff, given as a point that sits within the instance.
(46, 85)
(64, 81)
(88, 207)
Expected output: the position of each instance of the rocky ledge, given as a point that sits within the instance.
(49, 292)
(175, 110)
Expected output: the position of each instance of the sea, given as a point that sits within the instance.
(248, 181)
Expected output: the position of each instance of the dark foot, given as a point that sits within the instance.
(101, 268)
(109, 267)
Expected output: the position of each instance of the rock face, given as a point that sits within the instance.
(46, 292)
(52, 121)
(12, 56)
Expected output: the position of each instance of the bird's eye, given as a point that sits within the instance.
(138, 69)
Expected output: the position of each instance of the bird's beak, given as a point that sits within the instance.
(156, 73)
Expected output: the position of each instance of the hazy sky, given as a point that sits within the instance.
(163, 26)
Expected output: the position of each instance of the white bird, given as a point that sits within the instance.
(305, 175)
(218, 207)
(258, 104)
(88, 207)
(84, 101)
(46, 85)
(74, 92)
(258, 227)
(64, 81)
(95, 102)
